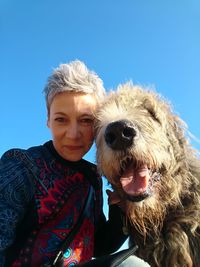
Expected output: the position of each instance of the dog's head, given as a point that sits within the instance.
(141, 146)
(143, 151)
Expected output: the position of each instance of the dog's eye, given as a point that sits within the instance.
(151, 110)
(153, 114)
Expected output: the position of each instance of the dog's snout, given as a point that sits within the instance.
(119, 135)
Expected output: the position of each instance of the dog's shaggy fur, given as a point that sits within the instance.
(143, 151)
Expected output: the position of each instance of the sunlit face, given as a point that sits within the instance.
(71, 123)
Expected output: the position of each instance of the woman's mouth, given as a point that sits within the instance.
(73, 147)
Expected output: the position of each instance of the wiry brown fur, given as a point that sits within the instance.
(166, 224)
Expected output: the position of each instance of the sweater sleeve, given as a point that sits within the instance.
(16, 190)
(109, 236)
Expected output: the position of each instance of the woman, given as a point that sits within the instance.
(43, 189)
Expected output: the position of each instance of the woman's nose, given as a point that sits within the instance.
(73, 131)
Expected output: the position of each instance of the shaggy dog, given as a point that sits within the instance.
(143, 151)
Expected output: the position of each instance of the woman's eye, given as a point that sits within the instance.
(60, 119)
(87, 121)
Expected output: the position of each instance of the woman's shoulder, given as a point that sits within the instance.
(89, 164)
(11, 154)
(17, 163)
(15, 173)
(91, 171)
(89, 168)
(24, 155)
(18, 153)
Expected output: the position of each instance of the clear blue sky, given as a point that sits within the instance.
(152, 42)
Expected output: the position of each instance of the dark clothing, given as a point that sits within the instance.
(41, 197)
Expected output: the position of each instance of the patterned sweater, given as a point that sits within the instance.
(41, 197)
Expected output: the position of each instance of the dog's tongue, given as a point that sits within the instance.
(135, 181)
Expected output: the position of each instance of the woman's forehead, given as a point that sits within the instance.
(68, 102)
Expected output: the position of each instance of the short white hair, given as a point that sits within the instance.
(73, 77)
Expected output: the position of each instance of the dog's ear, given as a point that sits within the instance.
(177, 130)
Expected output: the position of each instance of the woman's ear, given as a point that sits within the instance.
(48, 122)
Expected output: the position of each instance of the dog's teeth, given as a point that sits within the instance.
(156, 176)
(150, 172)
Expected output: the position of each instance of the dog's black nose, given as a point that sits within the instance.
(119, 135)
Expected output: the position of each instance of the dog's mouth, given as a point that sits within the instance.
(137, 180)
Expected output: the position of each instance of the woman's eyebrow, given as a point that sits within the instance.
(60, 113)
(87, 115)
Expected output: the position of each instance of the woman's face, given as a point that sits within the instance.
(71, 123)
